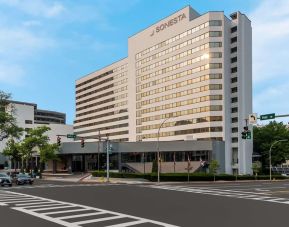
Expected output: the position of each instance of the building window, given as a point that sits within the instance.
(233, 40)
(234, 59)
(234, 79)
(234, 110)
(234, 119)
(28, 122)
(234, 139)
(234, 29)
(234, 130)
(235, 99)
(234, 70)
(234, 50)
(234, 89)
(215, 23)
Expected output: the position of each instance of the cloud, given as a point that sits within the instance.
(270, 22)
(36, 7)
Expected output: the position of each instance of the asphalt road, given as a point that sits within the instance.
(197, 204)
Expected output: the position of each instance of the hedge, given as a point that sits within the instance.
(184, 176)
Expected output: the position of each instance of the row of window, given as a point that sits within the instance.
(179, 56)
(121, 89)
(181, 132)
(234, 89)
(177, 47)
(105, 128)
(179, 85)
(102, 122)
(181, 65)
(102, 82)
(234, 79)
(180, 75)
(181, 45)
(105, 88)
(166, 97)
(122, 96)
(182, 122)
(234, 59)
(106, 135)
(102, 115)
(180, 36)
(102, 108)
(234, 70)
(180, 113)
(120, 68)
(234, 110)
(178, 104)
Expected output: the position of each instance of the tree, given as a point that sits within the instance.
(213, 167)
(47, 153)
(35, 141)
(265, 136)
(13, 151)
(256, 167)
(8, 126)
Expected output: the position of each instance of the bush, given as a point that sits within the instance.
(184, 176)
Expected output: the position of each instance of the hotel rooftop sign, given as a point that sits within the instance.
(169, 23)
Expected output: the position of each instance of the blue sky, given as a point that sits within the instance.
(45, 45)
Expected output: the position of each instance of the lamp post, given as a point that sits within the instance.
(158, 146)
(270, 159)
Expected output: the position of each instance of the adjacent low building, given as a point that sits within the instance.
(28, 116)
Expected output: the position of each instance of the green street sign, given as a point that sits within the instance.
(267, 116)
(71, 136)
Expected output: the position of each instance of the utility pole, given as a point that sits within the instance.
(107, 160)
(98, 152)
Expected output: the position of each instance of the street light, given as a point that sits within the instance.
(158, 146)
(270, 161)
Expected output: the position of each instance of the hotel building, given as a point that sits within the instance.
(187, 77)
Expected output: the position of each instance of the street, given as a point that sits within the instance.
(49, 203)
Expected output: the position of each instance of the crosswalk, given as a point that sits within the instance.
(259, 195)
(70, 214)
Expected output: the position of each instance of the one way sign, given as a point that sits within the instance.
(253, 119)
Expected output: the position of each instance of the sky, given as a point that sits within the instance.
(45, 45)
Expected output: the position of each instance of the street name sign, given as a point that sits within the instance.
(71, 136)
(267, 116)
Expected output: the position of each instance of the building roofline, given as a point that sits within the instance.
(50, 111)
(22, 103)
(158, 21)
(103, 67)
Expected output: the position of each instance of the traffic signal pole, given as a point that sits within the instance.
(107, 160)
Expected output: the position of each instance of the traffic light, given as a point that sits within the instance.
(244, 135)
(110, 148)
(249, 136)
(82, 142)
(58, 140)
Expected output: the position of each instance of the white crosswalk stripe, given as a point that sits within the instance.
(68, 213)
(259, 196)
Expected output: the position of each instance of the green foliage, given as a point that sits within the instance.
(256, 167)
(265, 136)
(214, 166)
(13, 150)
(8, 127)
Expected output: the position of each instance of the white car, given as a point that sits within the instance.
(5, 180)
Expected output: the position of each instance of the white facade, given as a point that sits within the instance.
(187, 73)
(24, 114)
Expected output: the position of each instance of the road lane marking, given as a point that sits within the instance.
(65, 220)
(98, 220)
(229, 193)
(80, 215)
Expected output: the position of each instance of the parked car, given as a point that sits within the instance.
(5, 180)
(23, 179)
